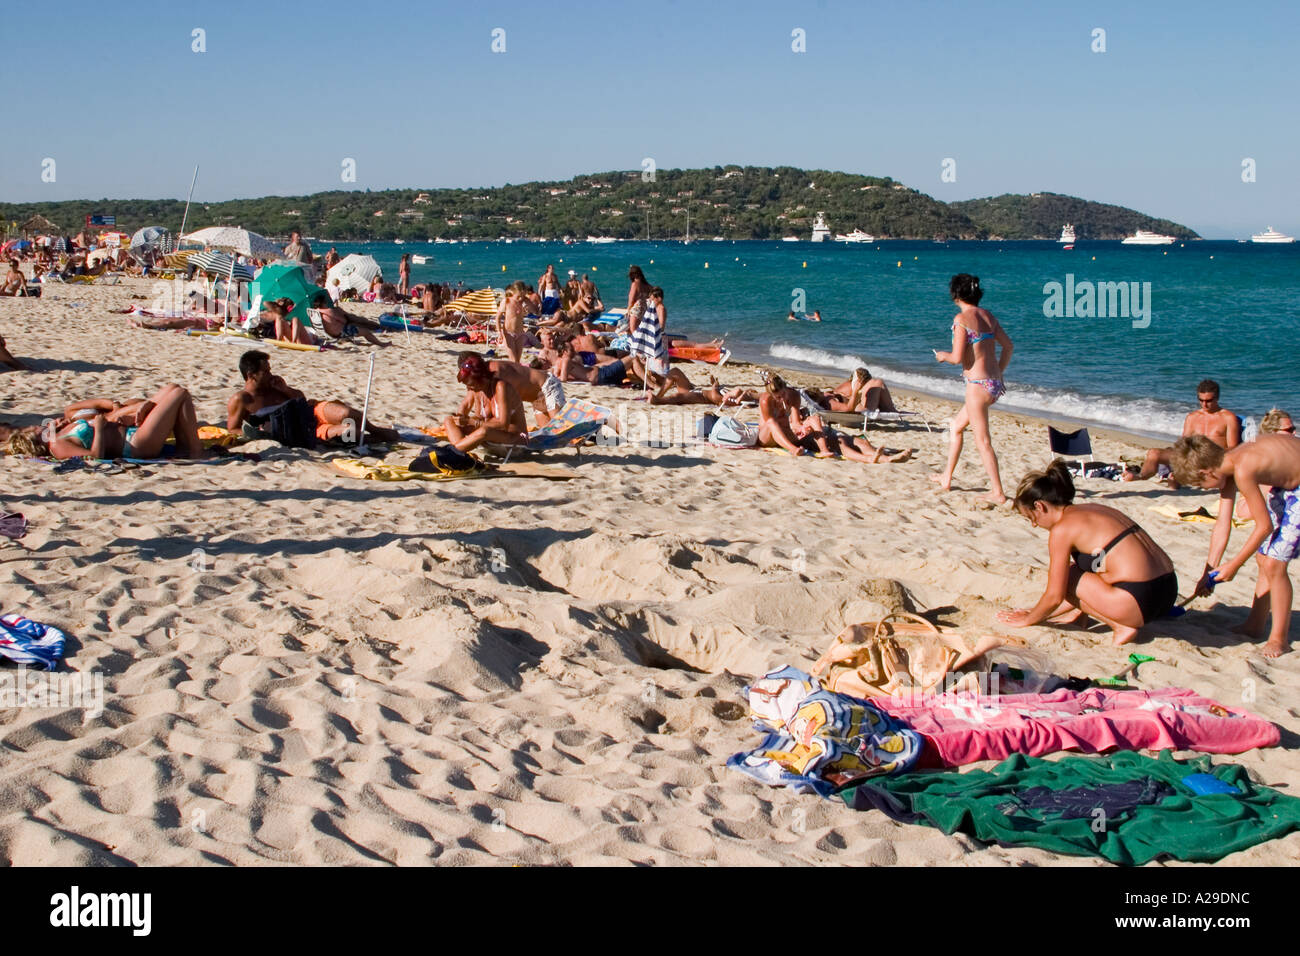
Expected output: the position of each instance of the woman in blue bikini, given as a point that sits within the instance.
(103, 429)
(976, 334)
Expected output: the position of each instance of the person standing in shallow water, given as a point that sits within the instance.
(976, 334)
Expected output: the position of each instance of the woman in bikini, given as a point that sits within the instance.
(137, 429)
(1102, 563)
(976, 334)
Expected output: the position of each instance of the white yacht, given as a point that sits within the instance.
(601, 240)
(1067, 234)
(820, 229)
(789, 238)
(1271, 235)
(1145, 238)
(857, 235)
(421, 260)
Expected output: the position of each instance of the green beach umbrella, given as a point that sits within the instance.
(288, 282)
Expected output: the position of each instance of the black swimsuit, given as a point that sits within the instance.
(1154, 598)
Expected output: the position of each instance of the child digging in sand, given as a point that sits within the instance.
(1272, 460)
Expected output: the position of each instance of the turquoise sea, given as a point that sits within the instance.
(1217, 309)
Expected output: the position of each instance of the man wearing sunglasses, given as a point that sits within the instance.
(1211, 420)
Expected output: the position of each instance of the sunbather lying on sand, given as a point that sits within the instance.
(861, 393)
(339, 324)
(676, 389)
(504, 423)
(139, 431)
(783, 425)
(265, 392)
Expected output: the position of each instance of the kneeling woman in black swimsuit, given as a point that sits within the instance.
(1102, 563)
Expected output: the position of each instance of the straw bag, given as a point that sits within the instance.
(890, 657)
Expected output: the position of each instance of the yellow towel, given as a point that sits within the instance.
(356, 468)
(215, 435)
(1172, 511)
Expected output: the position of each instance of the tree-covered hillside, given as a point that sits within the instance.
(731, 201)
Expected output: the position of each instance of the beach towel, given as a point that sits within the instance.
(383, 471)
(648, 340)
(1206, 514)
(820, 742)
(578, 419)
(962, 729)
(446, 461)
(31, 643)
(1126, 808)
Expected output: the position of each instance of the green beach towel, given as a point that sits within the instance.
(1126, 807)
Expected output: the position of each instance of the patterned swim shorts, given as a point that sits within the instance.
(1284, 543)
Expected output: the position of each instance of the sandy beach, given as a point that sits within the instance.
(302, 667)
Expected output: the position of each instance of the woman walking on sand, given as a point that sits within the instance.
(976, 335)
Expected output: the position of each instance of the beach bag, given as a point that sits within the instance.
(292, 424)
(900, 654)
(704, 427)
(447, 460)
(731, 433)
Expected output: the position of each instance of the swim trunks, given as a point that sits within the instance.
(1284, 543)
(553, 393)
(550, 305)
(322, 426)
(588, 359)
(611, 374)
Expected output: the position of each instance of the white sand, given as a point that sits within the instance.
(500, 671)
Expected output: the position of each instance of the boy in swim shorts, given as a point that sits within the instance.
(1272, 461)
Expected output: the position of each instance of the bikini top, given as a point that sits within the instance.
(973, 337)
(1096, 562)
(83, 433)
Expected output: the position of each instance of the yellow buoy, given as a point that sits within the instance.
(1094, 258)
(914, 258)
(900, 263)
(503, 268)
(805, 265)
(593, 268)
(706, 265)
(652, 262)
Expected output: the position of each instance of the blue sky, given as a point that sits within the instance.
(412, 91)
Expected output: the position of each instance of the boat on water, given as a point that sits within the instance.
(1067, 234)
(719, 238)
(857, 235)
(399, 242)
(1271, 235)
(420, 260)
(789, 238)
(821, 231)
(1144, 237)
(601, 240)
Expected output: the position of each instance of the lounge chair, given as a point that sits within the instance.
(573, 424)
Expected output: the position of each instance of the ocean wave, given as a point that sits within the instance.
(1144, 416)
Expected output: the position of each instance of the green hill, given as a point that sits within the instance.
(1041, 216)
(731, 201)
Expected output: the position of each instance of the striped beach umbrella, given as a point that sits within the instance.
(482, 302)
(221, 265)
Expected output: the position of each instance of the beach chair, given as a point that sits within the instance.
(573, 424)
(1069, 445)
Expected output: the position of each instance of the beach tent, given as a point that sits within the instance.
(288, 282)
(354, 272)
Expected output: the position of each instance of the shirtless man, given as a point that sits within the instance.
(1217, 424)
(784, 425)
(539, 387)
(264, 392)
(548, 287)
(1272, 461)
(504, 422)
(340, 324)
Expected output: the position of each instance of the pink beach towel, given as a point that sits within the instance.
(965, 728)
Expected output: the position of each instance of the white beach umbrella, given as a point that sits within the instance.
(353, 272)
(235, 239)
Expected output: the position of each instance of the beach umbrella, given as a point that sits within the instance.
(288, 282)
(236, 239)
(154, 237)
(40, 225)
(353, 272)
(220, 264)
(482, 302)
